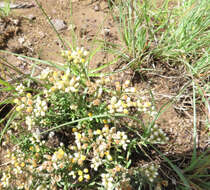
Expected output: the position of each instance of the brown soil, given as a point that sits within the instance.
(92, 22)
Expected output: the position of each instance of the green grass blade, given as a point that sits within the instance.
(8, 86)
(194, 124)
(11, 118)
(47, 17)
(175, 168)
(49, 63)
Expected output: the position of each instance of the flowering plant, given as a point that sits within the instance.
(96, 124)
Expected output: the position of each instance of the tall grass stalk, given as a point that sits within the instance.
(186, 36)
(47, 17)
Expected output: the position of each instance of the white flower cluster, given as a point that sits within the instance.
(30, 122)
(121, 139)
(124, 103)
(17, 160)
(18, 166)
(35, 108)
(143, 105)
(5, 180)
(25, 103)
(66, 83)
(61, 81)
(40, 107)
(101, 142)
(79, 158)
(20, 89)
(108, 181)
(80, 140)
(81, 174)
(45, 73)
(36, 138)
(76, 56)
(157, 135)
(59, 155)
(73, 85)
(96, 162)
(58, 159)
(105, 139)
(121, 105)
(150, 171)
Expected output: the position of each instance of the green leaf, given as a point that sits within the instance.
(175, 168)
(8, 86)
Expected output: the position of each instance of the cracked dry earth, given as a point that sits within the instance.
(28, 32)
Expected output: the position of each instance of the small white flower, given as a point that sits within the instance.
(111, 111)
(20, 88)
(113, 100)
(44, 74)
(51, 134)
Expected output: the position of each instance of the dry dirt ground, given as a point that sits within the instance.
(28, 32)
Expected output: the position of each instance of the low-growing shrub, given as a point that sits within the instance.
(78, 132)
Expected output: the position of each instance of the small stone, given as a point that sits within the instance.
(31, 17)
(106, 32)
(97, 7)
(59, 24)
(16, 21)
(21, 40)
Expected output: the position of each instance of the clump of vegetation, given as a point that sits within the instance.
(98, 121)
(72, 128)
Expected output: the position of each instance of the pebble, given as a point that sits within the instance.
(106, 32)
(31, 17)
(16, 21)
(97, 7)
(21, 40)
(59, 24)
